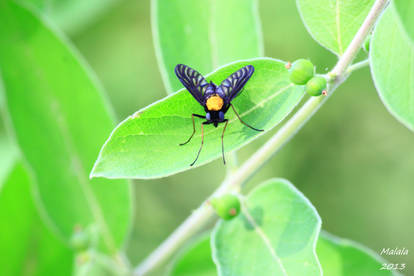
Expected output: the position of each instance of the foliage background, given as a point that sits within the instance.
(353, 160)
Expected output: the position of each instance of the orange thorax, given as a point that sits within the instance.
(214, 103)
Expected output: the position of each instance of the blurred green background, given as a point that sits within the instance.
(353, 160)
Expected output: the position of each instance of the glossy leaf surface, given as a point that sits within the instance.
(146, 144)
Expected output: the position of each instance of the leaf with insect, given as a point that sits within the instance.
(145, 145)
(215, 99)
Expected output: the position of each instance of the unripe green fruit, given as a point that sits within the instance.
(301, 71)
(315, 86)
(226, 206)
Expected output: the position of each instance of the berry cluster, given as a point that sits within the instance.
(301, 72)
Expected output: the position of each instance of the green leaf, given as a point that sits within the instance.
(204, 34)
(405, 10)
(30, 247)
(7, 157)
(275, 234)
(60, 120)
(195, 260)
(334, 23)
(72, 15)
(341, 257)
(338, 257)
(145, 145)
(392, 67)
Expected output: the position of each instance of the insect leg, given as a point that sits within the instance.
(192, 117)
(202, 142)
(244, 123)
(222, 140)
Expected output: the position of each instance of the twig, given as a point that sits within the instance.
(357, 66)
(196, 221)
(359, 38)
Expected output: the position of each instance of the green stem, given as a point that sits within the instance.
(199, 218)
(357, 66)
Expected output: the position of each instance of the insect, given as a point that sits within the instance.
(216, 100)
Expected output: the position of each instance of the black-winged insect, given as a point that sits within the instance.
(216, 100)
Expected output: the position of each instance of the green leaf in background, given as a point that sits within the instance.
(341, 257)
(27, 247)
(195, 260)
(333, 23)
(92, 263)
(338, 257)
(392, 67)
(145, 145)
(60, 120)
(405, 10)
(275, 234)
(72, 15)
(8, 155)
(204, 34)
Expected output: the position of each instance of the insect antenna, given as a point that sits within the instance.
(243, 122)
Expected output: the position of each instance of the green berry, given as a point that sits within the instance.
(226, 206)
(301, 71)
(316, 86)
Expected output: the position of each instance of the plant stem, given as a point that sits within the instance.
(359, 38)
(197, 220)
(357, 66)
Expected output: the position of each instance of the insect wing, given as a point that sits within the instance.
(236, 81)
(195, 83)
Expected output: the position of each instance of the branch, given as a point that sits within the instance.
(357, 66)
(359, 38)
(199, 218)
